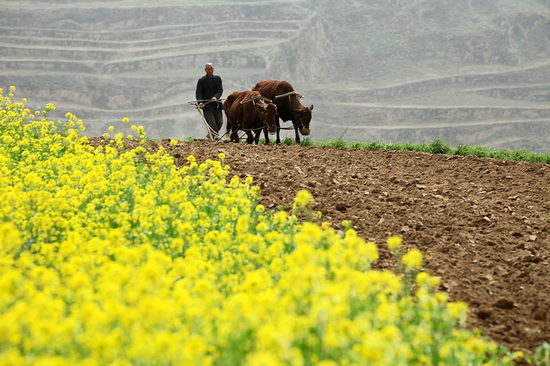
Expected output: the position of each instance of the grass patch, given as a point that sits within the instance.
(436, 147)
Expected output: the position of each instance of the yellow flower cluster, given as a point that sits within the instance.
(115, 257)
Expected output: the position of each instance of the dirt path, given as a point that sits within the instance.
(484, 223)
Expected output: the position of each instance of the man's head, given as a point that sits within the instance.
(209, 68)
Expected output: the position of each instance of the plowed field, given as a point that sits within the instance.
(482, 224)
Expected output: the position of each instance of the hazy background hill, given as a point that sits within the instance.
(465, 71)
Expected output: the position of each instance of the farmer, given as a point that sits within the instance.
(209, 91)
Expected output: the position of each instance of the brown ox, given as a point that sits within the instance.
(250, 111)
(288, 104)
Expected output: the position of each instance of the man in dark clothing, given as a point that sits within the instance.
(209, 91)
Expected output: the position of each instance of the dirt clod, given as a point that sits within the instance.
(504, 304)
(484, 313)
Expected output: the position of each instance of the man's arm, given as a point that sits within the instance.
(198, 91)
(219, 92)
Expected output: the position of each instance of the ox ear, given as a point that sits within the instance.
(311, 107)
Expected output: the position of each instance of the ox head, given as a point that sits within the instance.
(268, 113)
(302, 118)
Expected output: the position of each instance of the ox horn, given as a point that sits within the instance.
(256, 97)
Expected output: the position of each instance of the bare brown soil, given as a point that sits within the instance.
(483, 224)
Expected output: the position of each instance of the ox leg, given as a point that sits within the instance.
(266, 135)
(230, 132)
(257, 135)
(249, 137)
(297, 135)
(234, 134)
(278, 140)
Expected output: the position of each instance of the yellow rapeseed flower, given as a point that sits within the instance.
(412, 259)
(303, 198)
(425, 279)
(394, 243)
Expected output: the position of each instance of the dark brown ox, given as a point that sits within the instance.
(288, 104)
(251, 112)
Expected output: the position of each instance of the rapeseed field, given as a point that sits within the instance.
(111, 256)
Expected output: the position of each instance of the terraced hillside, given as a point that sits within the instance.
(398, 70)
(107, 60)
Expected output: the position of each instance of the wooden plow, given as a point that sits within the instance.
(209, 129)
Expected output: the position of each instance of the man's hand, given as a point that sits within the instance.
(201, 105)
(213, 99)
